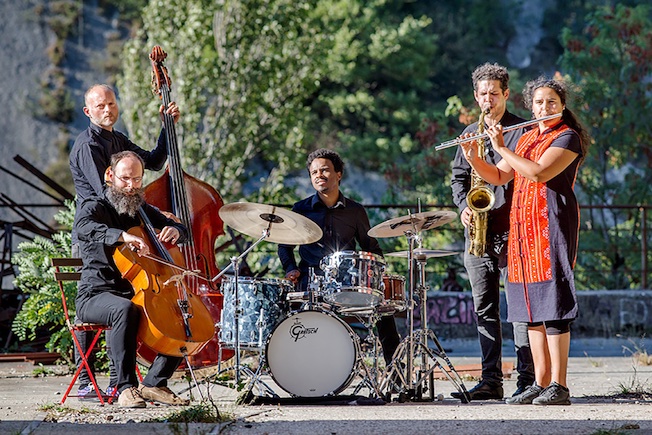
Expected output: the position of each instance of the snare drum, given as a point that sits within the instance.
(260, 303)
(353, 279)
(312, 354)
(394, 290)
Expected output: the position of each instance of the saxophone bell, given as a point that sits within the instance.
(480, 199)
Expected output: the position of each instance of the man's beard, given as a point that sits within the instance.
(123, 203)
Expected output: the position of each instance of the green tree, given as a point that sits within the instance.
(609, 62)
(241, 72)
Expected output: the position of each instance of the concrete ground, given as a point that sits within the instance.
(596, 382)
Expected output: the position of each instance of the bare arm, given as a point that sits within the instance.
(498, 174)
(550, 164)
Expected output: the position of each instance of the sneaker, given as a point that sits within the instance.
(554, 394)
(162, 395)
(111, 392)
(482, 391)
(131, 398)
(526, 396)
(87, 393)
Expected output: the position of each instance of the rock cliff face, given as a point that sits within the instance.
(24, 60)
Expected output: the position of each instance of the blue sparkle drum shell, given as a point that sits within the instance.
(353, 279)
(261, 303)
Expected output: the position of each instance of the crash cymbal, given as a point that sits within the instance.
(284, 226)
(414, 222)
(427, 253)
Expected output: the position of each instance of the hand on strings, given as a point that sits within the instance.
(171, 216)
(136, 244)
(172, 110)
(293, 275)
(169, 235)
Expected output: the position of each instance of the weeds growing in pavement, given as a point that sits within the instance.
(639, 352)
(593, 362)
(634, 386)
(55, 411)
(42, 371)
(204, 412)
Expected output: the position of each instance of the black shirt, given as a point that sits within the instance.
(91, 155)
(498, 216)
(343, 225)
(99, 227)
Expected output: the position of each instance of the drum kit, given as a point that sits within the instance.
(309, 350)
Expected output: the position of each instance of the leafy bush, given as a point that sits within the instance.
(43, 308)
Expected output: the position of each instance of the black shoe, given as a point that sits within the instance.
(526, 396)
(482, 391)
(554, 394)
(520, 389)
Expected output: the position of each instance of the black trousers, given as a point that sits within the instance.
(123, 317)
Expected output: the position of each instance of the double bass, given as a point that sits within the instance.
(174, 322)
(197, 205)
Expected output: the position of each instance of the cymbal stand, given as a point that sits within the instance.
(416, 345)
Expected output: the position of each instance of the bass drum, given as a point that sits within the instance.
(312, 354)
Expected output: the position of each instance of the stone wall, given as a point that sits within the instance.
(603, 314)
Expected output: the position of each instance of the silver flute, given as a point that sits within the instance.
(454, 142)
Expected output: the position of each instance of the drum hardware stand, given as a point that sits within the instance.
(254, 377)
(369, 377)
(415, 345)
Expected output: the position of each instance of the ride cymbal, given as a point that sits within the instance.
(421, 253)
(285, 226)
(414, 223)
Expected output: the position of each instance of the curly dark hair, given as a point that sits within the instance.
(491, 71)
(567, 116)
(323, 153)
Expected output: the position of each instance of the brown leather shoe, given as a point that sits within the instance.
(131, 398)
(162, 395)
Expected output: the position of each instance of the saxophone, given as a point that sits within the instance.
(480, 199)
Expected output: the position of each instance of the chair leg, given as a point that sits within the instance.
(84, 364)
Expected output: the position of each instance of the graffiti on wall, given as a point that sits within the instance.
(451, 309)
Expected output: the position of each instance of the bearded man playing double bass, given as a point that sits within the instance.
(104, 296)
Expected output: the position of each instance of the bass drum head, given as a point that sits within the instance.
(312, 354)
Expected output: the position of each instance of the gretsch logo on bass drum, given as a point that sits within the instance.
(297, 330)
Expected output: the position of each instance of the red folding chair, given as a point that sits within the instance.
(60, 276)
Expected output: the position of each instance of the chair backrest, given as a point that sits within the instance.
(60, 276)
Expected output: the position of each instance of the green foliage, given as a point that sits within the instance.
(204, 412)
(43, 308)
(262, 82)
(608, 61)
(240, 72)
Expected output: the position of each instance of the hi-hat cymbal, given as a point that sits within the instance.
(414, 222)
(284, 226)
(419, 253)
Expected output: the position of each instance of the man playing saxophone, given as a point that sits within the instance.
(485, 215)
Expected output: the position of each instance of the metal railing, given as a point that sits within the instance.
(587, 226)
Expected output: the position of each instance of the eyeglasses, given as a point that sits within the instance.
(134, 180)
